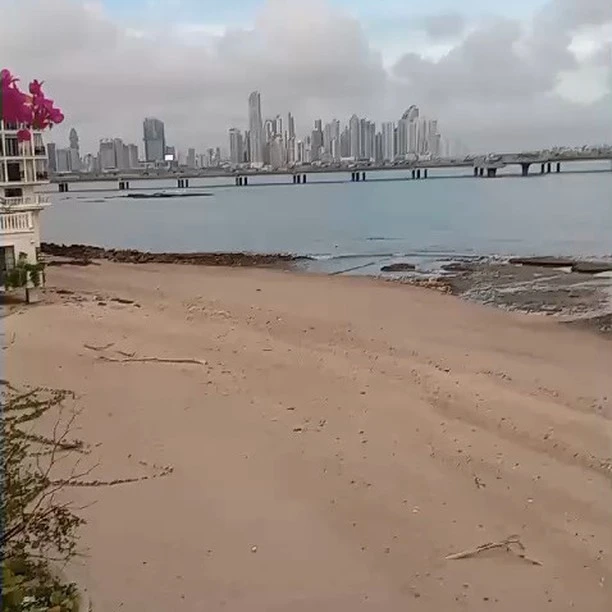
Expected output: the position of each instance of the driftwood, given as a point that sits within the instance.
(91, 347)
(506, 544)
(151, 360)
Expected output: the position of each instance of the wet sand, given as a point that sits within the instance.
(332, 442)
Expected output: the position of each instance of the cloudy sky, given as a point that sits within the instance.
(497, 75)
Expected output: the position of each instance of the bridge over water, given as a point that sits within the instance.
(481, 167)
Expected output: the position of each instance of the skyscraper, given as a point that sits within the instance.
(75, 157)
(154, 139)
(191, 158)
(236, 146)
(256, 130)
(291, 125)
(355, 139)
(316, 141)
(52, 155)
(106, 155)
(133, 160)
(388, 141)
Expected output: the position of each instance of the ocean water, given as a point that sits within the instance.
(355, 227)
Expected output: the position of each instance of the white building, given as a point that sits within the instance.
(388, 141)
(23, 168)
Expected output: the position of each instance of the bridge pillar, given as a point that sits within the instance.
(480, 171)
(363, 176)
(414, 174)
(475, 170)
(558, 166)
(418, 173)
(425, 173)
(491, 172)
(525, 169)
(357, 176)
(542, 168)
(245, 180)
(548, 167)
(63, 187)
(303, 178)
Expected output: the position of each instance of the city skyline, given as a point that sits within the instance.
(503, 76)
(275, 144)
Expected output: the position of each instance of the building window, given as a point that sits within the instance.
(13, 192)
(14, 173)
(7, 258)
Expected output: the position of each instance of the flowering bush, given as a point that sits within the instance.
(33, 111)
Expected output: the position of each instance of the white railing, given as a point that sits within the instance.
(27, 201)
(16, 223)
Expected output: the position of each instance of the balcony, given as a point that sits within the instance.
(16, 223)
(40, 200)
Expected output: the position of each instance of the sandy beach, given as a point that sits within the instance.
(332, 441)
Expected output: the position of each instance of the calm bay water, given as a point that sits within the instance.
(346, 225)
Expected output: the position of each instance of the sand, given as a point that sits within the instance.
(334, 441)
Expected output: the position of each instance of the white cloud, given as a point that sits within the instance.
(498, 83)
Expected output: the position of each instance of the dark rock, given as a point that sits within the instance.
(398, 267)
(543, 262)
(83, 252)
(69, 262)
(592, 267)
(458, 266)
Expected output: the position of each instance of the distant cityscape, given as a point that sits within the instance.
(270, 143)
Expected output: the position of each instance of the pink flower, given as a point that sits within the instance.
(33, 111)
(23, 135)
(36, 88)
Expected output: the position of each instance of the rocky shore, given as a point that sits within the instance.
(577, 292)
(82, 254)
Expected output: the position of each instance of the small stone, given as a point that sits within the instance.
(253, 549)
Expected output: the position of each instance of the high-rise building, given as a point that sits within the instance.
(291, 151)
(73, 138)
(316, 141)
(277, 153)
(411, 117)
(106, 155)
(345, 143)
(122, 161)
(51, 154)
(403, 137)
(378, 147)
(300, 152)
(291, 126)
(354, 137)
(236, 146)
(133, 159)
(370, 147)
(278, 126)
(256, 151)
(75, 157)
(268, 130)
(191, 159)
(154, 139)
(388, 141)
(63, 160)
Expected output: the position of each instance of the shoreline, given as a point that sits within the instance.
(573, 290)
